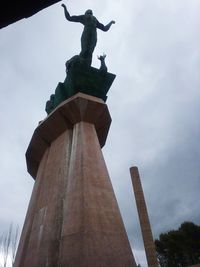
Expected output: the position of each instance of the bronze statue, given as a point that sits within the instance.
(103, 67)
(89, 35)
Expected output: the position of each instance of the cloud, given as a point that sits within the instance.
(154, 103)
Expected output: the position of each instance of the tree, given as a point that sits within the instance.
(8, 244)
(179, 248)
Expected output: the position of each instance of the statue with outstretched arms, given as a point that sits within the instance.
(89, 35)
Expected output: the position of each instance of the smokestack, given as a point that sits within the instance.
(144, 218)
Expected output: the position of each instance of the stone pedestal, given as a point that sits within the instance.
(73, 219)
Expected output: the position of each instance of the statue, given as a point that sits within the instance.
(89, 35)
(80, 76)
(103, 67)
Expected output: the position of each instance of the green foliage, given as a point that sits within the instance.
(179, 248)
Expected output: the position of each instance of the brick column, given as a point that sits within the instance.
(144, 218)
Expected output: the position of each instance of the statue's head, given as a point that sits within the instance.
(89, 12)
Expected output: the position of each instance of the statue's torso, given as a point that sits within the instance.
(89, 35)
(90, 21)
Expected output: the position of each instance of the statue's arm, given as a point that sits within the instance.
(72, 18)
(106, 27)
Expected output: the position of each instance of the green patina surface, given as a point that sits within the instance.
(81, 77)
(84, 79)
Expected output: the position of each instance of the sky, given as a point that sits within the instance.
(154, 49)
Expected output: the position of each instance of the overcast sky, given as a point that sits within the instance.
(154, 49)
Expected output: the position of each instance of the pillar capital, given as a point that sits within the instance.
(80, 107)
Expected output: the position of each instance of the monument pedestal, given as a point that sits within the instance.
(73, 219)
